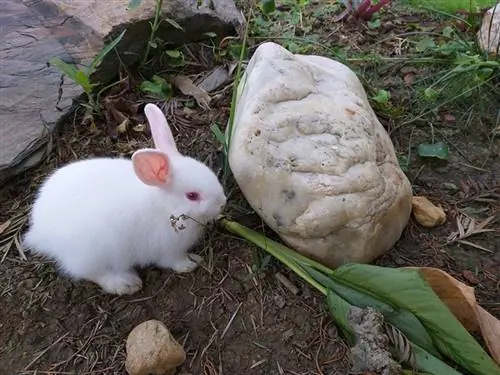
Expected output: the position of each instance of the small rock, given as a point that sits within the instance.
(426, 213)
(489, 33)
(152, 350)
(313, 160)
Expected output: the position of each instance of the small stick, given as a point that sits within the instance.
(286, 283)
(231, 320)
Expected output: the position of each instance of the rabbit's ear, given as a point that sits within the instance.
(153, 167)
(162, 135)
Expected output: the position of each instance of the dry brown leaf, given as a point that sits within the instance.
(461, 301)
(467, 227)
(187, 87)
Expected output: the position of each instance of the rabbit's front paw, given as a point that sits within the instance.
(120, 283)
(184, 266)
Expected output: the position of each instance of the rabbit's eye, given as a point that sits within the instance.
(193, 196)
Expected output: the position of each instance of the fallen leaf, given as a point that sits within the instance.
(215, 79)
(461, 301)
(187, 87)
(467, 227)
(122, 128)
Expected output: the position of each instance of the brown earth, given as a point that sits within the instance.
(230, 320)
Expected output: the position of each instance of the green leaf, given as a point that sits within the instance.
(98, 59)
(158, 87)
(174, 58)
(68, 69)
(133, 4)
(407, 289)
(375, 24)
(433, 150)
(431, 94)
(382, 97)
(402, 319)
(430, 364)
(267, 6)
(219, 135)
(448, 31)
(339, 309)
(425, 44)
(174, 24)
(83, 80)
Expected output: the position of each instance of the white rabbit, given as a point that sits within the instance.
(102, 217)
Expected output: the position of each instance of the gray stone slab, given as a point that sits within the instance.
(34, 99)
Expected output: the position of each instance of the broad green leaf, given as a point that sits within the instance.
(267, 6)
(429, 364)
(448, 31)
(382, 97)
(424, 44)
(98, 59)
(407, 289)
(433, 150)
(66, 68)
(375, 24)
(158, 88)
(174, 58)
(402, 319)
(339, 309)
(133, 4)
(173, 53)
(83, 80)
(431, 94)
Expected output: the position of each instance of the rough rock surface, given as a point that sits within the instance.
(489, 33)
(32, 32)
(371, 353)
(312, 159)
(152, 350)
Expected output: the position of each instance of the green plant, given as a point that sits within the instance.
(82, 76)
(158, 87)
(153, 41)
(404, 298)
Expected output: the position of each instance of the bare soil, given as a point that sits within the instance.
(230, 320)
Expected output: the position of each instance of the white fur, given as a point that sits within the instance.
(98, 220)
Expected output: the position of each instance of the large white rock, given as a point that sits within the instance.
(489, 33)
(312, 159)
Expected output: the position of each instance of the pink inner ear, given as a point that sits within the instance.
(151, 166)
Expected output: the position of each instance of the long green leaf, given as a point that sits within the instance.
(429, 364)
(339, 309)
(407, 289)
(64, 67)
(402, 319)
(100, 56)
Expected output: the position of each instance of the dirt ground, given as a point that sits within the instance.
(229, 320)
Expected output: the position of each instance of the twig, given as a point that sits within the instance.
(286, 283)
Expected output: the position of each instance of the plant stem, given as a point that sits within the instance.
(154, 28)
(280, 252)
